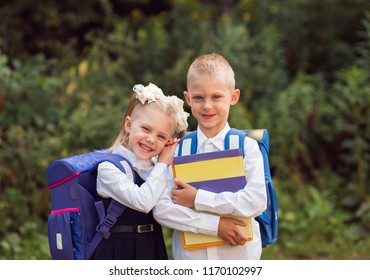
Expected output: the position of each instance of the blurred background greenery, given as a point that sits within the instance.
(303, 67)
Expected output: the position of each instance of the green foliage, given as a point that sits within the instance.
(302, 68)
(352, 120)
(315, 226)
(29, 115)
(167, 235)
(31, 243)
(313, 31)
(294, 119)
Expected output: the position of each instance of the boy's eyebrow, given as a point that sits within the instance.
(145, 124)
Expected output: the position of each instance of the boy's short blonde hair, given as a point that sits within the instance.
(212, 66)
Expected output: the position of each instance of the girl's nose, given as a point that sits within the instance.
(149, 139)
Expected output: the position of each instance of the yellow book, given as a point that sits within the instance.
(216, 172)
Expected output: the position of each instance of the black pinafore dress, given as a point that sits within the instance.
(135, 236)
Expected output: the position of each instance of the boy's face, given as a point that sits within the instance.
(210, 102)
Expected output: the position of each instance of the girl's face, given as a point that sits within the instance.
(210, 102)
(149, 130)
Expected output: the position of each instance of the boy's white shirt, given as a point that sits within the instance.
(249, 202)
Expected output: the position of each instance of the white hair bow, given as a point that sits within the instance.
(152, 93)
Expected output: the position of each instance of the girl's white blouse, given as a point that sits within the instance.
(111, 182)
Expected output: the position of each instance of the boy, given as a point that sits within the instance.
(210, 93)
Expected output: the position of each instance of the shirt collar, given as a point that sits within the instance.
(218, 140)
(132, 158)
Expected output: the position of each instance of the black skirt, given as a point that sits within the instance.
(142, 245)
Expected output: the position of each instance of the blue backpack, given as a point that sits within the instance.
(78, 220)
(268, 220)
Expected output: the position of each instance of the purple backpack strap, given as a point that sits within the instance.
(115, 209)
(107, 221)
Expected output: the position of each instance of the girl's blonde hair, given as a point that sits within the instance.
(213, 66)
(151, 95)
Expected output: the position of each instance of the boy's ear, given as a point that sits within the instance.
(235, 94)
(187, 97)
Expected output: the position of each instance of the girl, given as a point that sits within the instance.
(148, 137)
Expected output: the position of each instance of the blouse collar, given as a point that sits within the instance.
(142, 167)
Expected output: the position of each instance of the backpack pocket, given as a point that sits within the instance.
(64, 231)
(268, 220)
(264, 221)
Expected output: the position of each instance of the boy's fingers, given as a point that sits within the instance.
(240, 235)
(231, 242)
(237, 239)
(241, 238)
(238, 222)
(181, 183)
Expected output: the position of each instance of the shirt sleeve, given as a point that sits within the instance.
(111, 182)
(183, 218)
(248, 202)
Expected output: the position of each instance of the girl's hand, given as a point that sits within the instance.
(173, 141)
(166, 156)
(185, 195)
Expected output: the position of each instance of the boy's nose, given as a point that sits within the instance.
(207, 105)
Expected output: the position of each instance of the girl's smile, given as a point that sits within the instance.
(145, 148)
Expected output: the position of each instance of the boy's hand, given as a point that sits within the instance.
(230, 233)
(185, 195)
(166, 156)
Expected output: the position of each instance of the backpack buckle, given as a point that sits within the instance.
(104, 227)
(109, 221)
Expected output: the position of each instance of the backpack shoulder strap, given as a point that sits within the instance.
(188, 144)
(262, 138)
(115, 209)
(235, 139)
(120, 162)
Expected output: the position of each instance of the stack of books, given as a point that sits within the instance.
(221, 171)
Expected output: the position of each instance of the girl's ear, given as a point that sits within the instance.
(127, 124)
(235, 94)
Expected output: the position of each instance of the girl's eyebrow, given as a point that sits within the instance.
(164, 134)
(160, 133)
